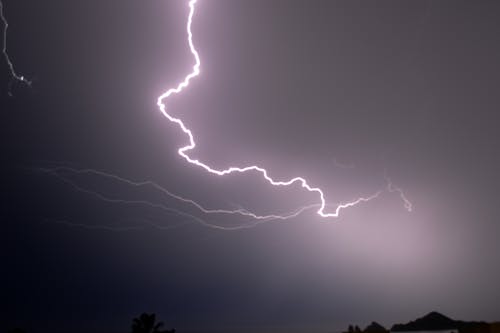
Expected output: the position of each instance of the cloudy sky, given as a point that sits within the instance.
(338, 92)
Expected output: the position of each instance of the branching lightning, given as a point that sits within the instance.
(61, 173)
(13, 73)
(183, 151)
(65, 173)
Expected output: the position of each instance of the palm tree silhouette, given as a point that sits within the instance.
(146, 323)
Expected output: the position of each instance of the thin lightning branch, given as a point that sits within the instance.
(114, 200)
(13, 73)
(256, 219)
(161, 102)
(56, 171)
(61, 171)
(392, 188)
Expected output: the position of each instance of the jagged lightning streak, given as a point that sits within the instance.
(59, 170)
(183, 150)
(62, 172)
(13, 72)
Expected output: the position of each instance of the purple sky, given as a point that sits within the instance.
(301, 88)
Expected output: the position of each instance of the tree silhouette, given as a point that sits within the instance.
(146, 323)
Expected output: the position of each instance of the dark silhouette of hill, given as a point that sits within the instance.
(375, 327)
(430, 322)
(435, 321)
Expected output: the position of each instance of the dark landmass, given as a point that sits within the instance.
(431, 322)
(434, 321)
(375, 327)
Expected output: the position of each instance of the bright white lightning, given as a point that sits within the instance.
(257, 219)
(183, 150)
(13, 72)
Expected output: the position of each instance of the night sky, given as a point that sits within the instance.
(339, 92)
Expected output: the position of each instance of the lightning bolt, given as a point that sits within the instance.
(321, 207)
(61, 171)
(66, 174)
(13, 73)
(183, 151)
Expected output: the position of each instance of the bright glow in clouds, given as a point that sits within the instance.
(184, 150)
(13, 73)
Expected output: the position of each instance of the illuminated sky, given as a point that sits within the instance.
(338, 92)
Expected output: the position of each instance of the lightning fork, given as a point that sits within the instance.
(161, 103)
